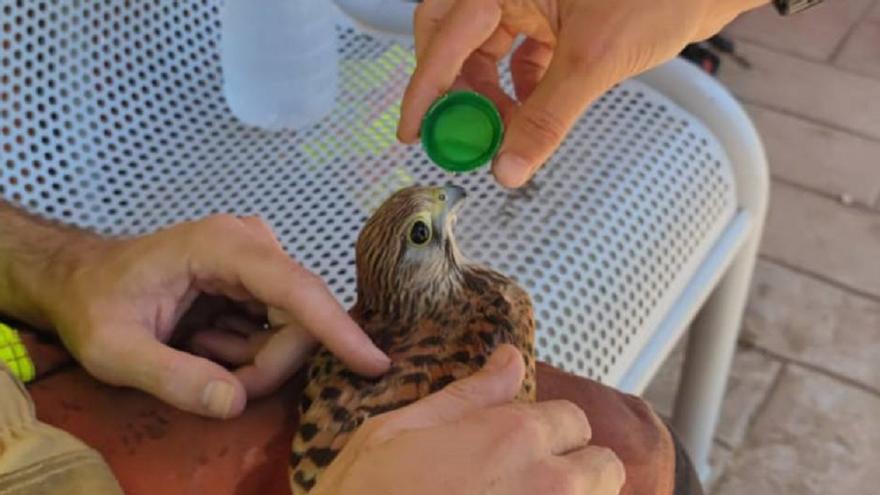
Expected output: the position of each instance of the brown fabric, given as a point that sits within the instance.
(624, 423)
(154, 448)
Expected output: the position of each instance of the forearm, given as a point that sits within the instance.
(34, 254)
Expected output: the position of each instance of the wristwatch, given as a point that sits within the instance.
(788, 7)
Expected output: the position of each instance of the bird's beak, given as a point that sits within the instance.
(453, 198)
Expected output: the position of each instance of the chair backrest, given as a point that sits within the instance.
(112, 118)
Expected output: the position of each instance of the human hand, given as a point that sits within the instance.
(469, 438)
(574, 50)
(117, 303)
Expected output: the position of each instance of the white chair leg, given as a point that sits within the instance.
(711, 347)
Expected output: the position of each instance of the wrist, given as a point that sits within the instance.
(36, 259)
(44, 280)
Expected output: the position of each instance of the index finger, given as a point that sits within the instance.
(466, 27)
(272, 277)
(284, 284)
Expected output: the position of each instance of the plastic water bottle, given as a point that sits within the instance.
(383, 16)
(280, 62)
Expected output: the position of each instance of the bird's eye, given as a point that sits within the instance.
(442, 197)
(420, 233)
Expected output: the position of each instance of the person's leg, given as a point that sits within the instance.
(655, 462)
(36, 458)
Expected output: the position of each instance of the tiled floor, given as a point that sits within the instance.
(802, 412)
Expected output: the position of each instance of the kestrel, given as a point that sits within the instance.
(437, 315)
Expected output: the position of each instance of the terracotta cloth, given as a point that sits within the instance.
(154, 448)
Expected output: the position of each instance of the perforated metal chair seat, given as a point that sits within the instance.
(112, 118)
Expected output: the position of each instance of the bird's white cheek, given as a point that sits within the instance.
(418, 255)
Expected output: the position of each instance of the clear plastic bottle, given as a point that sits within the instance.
(280, 61)
(385, 16)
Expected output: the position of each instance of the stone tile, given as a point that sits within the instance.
(815, 34)
(750, 378)
(815, 436)
(818, 91)
(822, 236)
(719, 460)
(861, 53)
(818, 156)
(801, 318)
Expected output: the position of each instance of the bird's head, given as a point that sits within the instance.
(407, 261)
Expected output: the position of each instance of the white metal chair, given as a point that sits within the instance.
(112, 118)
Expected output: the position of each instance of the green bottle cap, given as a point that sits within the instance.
(462, 131)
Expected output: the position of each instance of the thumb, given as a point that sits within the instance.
(183, 380)
(497, 383)
(538, 127)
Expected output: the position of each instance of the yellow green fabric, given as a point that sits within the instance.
(14, 355)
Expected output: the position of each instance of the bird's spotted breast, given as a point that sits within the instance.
(427, 355)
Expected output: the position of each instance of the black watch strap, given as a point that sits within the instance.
(788, 7)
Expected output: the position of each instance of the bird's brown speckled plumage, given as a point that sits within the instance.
(437, 316)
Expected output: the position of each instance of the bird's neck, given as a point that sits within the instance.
(414, 296)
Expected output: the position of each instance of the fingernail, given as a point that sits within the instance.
(218, 398)
(499, 359)
(511, 170)
(380, 357)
